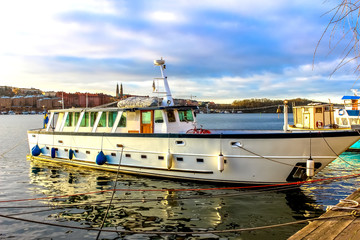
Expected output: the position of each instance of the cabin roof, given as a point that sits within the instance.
(316, 105)
(123, 109)
(350, 98)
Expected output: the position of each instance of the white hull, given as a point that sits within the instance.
(250, 157)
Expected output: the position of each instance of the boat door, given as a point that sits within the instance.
(306, 120)
(147, 121)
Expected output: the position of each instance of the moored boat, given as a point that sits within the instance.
(349, 114)
(155, 137)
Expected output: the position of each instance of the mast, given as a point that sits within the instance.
(168, 100)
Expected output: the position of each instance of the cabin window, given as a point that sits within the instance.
(93, 116)
(158, 116)
(69, 120)
(76, 115)
(146, 117)
(112, 117)
(60, 118)
(318, 110)
(85, 120)
(102, 122)
(186, 116)
(171, 116)
(122, 122)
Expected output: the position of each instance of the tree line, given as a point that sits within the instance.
(265, 105)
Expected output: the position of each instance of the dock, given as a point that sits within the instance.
(337, 224)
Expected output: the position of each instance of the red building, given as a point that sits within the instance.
(84, 99)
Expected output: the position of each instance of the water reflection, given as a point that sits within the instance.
(329, 193)
(166, 210)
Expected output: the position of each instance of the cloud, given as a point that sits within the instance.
(214, 49)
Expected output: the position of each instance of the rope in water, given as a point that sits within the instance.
(112, 196)
(56, 205)
(18, 144)
(353, 214)
(188, 189)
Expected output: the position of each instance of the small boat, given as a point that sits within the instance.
(349, 115)
(155, 137)
(316, 116)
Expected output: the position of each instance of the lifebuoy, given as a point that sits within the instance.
(319, 124)
(341, 112)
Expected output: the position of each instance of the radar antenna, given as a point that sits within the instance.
(168, 100)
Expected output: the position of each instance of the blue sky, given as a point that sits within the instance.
(215, 50)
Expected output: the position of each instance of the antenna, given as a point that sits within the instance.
(168, 100)
(355, 91)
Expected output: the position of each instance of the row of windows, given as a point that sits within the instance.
(89, 118)
(184, 116)
(107, 119)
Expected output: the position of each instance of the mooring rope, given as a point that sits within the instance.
(353, 207)
(112, 196)
(266, 158)
(353, 214)
(18, 144)
(190, 189)
(337, 154)
(56, 206)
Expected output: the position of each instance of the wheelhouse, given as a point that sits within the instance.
(114, 120)
(313, 116)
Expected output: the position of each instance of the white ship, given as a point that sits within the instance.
(154, 137)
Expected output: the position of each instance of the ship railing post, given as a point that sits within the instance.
(286, 119)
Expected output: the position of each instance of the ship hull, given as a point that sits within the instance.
(248, 157)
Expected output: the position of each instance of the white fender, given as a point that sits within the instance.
(168, 160)
(310, 167)
(221, 162)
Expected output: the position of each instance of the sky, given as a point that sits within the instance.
(214, 50)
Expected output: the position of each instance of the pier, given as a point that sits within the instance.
(338, 224)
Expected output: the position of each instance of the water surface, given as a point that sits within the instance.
(150, 210)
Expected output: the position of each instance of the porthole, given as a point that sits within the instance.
(200, 160)
(236, 144)
(160, 157)
(179, 159)
(179, 142)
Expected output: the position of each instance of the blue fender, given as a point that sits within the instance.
(71, 154)
(100, 158)
(53, 152)
(35, 151)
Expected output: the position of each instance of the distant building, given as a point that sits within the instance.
(84, 99)
(119, 93)
(49, 94)
(27, 91)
